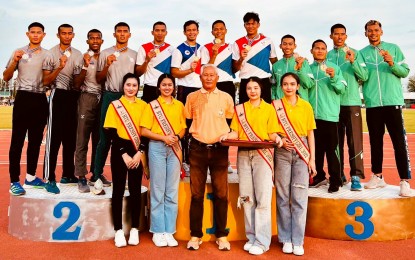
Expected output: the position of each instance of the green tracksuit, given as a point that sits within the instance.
(324, 96)
(351, 72)
(287, 65)
(383, 87)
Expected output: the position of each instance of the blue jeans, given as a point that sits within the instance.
(291, 181)
(255, 182)
(164, 187)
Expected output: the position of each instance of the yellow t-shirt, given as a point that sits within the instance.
(301, 117)
(135, 110)
(174, 113)
(209, 112)
(262, 119)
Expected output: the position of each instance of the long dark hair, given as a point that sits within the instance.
(160, 79)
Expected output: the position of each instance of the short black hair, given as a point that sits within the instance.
(218, 21)
(190, 22)
(159, 23)
(36, 24)
(251, 15)
(121, 24)
(337, 26)
(317, 41)
(93, 31)
(65, 25)
(287, 36)
(372, 22)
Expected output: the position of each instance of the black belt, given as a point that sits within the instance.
(207, 146)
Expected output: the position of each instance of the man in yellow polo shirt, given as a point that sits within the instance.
(209, 111)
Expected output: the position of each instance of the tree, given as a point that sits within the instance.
(411, 84)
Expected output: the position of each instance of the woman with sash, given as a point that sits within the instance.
(122, 122)
(164, 124)
(293, 164)
(255, 120)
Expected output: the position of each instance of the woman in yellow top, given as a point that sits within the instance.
(255, 166)
(126, 156)
(164, 124)
(291, 171)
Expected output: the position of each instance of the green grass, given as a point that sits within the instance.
(408, 114)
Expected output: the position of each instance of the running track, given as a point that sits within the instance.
(13, 248)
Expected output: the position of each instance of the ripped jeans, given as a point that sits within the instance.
(255, 191)
(291, 181)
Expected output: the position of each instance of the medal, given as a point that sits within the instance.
(196, 59)
(248, 47)
(217, 40)
(157, 51)
(116, 54)
(91, 53)
(346, 49)
(67, 53)
(221, 112)
(25, 56)
(323, 67)
(296, 55)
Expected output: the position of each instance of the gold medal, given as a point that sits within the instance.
(196, 59)
(91, 53)
(67, 54)
(323, 67)
(217, 40)
(248, 47)
(346, 49)
(296, 55)
(157, 51)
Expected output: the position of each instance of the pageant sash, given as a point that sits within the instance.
(127, 122)
(266, 154)
(290, 132)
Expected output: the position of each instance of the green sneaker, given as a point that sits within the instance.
(70, 181)
(16, 189)
(51, 187)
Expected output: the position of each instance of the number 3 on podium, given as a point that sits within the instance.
(364, 219)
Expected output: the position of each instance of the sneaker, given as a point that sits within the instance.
(37, 183)
(298, 250)
(194, 243)
(134, 238)
(356, 186)
(120, 238)
(256, 250)
(70, 181)
(287, 248)
(223, 244)
(102, 177)
(51, 187)
(230, 169)
(248, 246)
(333, 188)
(170, 240)
(16, 189)
(318, 182)
(344, 180)
(406, 190)
(375, 182)
(159, 239)
(83, 186)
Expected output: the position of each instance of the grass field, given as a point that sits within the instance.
(408, 114)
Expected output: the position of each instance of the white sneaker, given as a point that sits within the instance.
(256, 250)
(287, 248)
(134, 237)
(375, 182)
(406, 190)
(230, 169)
(159, 239)
(170, 240)
(247, 246)
(298, 250)
(120, 238)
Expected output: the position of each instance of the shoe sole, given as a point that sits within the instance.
(26, 186)
(194, 248)
(225, 248)
(372, 188)
(319, 184)
(15, 194)
(68, 184)
(356, 189)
